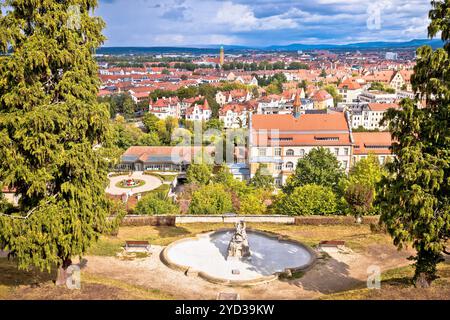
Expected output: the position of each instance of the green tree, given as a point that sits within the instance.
(309, 199)
(51, 127)
(211, 199)
(319, 167)
(367, 171)
(224, 176)
(149, 139)
(199, 173)
(262, 178)
(153, 204)
(334, 93)
(150, 122)
(125, 135)
(215, 124)
(252, 203)
(415, 195)
(359, 197)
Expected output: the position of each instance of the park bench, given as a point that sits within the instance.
(137, 244)
(228, 296)
(332, 244)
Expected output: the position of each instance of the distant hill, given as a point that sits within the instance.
(436, 43)
(213, 49)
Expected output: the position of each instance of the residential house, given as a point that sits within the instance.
(199, 112)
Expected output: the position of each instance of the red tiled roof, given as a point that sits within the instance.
(372, 142)
(383, 106)
(306, 122)
(322, 95)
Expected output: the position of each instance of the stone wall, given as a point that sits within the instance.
(138, 220)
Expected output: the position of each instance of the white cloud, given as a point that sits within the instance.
(241, 17)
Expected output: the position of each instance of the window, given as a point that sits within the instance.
(278, 182)
(290, 152)
(262, 152)
(289, 166)
(302, 152)
(279, 166)
(336, 151)
(345, 164)
(278, 151)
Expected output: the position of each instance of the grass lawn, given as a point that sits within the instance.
(15, 284)
(357, 237)
(396, 285)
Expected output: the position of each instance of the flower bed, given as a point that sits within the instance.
(126, 184)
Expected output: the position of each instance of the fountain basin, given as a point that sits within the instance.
(206, 256)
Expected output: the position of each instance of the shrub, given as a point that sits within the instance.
(211, 199)
(252, 203)
(359, 197)
(154, 203)
(307, 200)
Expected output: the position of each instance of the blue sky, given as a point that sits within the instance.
(261, 22)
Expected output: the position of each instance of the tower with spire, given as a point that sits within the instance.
(222, 56)
(297, 105)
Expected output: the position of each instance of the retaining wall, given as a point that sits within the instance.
(138, 220)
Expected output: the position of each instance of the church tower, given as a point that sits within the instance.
(222, 56)
(297, 105)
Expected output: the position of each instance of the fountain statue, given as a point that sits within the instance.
(238, 247)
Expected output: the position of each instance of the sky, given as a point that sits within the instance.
(261, 22)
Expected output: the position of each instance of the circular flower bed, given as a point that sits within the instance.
(130, 183)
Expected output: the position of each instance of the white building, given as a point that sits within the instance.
(279, 141)
(370, 115)
(199, 112)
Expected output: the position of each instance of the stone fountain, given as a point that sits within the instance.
(238, 247)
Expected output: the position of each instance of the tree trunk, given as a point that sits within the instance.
(62, 276)
(423, 281)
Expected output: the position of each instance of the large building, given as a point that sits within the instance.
(376, 143)
(370, 116)
(279, 141)
(178, 158)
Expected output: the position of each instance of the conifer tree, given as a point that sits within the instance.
(53, 132)
(415, 198)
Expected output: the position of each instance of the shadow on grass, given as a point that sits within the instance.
(172, 232)
(11, 276)
(328, 276)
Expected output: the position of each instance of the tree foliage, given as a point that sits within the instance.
(319, 167)
(262, 178)
(53, 131)
(199, 173)
(308, 199)
(415, 194)
(359, 197)
(152, 204)
(211, 199)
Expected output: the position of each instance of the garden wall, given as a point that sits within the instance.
(137, 220)
(334, 220)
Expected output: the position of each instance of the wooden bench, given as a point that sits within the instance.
(228, 296)
(332, 244)
(137, 244)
